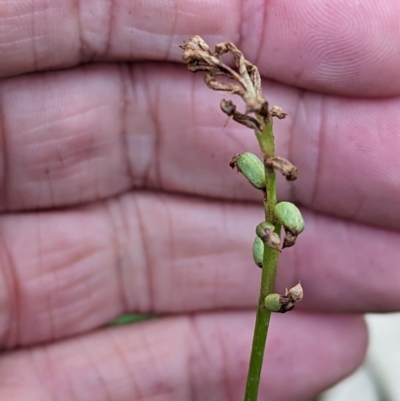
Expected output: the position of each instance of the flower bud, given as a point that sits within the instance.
(267, 234)
(258, 251)
(251, 167)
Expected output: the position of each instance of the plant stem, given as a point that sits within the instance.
(270, 261)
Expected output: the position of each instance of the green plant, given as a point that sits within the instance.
(244, 80)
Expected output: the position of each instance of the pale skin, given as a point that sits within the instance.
(117, 197)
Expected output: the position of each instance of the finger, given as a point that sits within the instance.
(352, 49)
(149, 127)
(201, 357)
(64, 273)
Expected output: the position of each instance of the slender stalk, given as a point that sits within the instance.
(270, 261)
(245, 81)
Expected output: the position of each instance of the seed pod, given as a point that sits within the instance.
(273, 302)
(278, 303)
(258, 251)
(267, 234)
(290, 217)
(251, 167)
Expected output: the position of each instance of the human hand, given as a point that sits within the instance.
(117, 196)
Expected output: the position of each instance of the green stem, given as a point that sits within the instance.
(270, 261)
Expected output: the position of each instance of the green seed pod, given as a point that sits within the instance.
(278, 303)
(273, 302)
(290, 217)
(258, 251)
(251, 167)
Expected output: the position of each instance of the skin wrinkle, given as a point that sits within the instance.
(191, 361)
(243, 17)
(355, 214)
(4, 155)
(225, 383)
(68, 374)
(123, 356)
(195, 125)
(34, 55)
(91, 167)
(65, 120)
(306, 108)
(124, 78)
(172, 33)
(77, 4)
(154, 108)
(110, 26)
(171, 247)
(153, 357)
(112, 208)
(40, 20)
(12, 290)
(219, 277)
(42, 356)
(89, 292)
(311, 13)
(133, 74)
(93, 365)
(321, 132)
(85, 148)
(78, 141)
(64, 355)
(87, 162)
(49, 300)
(32, 357)
(262, 35)
(107, 39)
(64, 283)
(147, 255)
(292, 132)
(61, 166)
(191, 378)
(251, 27)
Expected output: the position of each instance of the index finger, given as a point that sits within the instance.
(337, 46)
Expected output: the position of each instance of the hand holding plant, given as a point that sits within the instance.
(117, 197)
